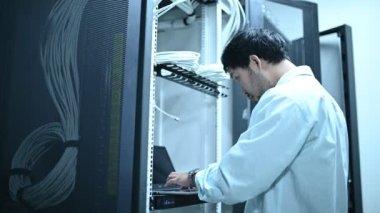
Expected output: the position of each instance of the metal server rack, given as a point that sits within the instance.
(211, 37)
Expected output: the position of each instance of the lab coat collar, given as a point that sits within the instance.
(300, 70)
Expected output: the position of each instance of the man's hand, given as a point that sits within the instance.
(178, 178)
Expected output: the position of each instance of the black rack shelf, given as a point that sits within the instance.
(187, 78)
(173, 201)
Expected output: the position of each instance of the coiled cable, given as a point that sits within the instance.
(59, 62)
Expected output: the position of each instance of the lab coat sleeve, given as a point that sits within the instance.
(272, 141)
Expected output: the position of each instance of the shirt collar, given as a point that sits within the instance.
(300, 70)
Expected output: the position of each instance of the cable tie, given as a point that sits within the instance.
(185, 19)
(71, 143)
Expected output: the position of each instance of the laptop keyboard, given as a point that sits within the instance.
(162, 187)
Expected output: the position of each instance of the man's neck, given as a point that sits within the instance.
(278, 70)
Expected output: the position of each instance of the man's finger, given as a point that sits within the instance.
(170, 182)
(171, 176)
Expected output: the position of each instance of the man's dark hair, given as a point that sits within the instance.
(266, 44)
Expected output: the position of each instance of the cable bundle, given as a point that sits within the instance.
(59, 62)
(188, 6)
(213, 72)
(186, 59)
(235, 22)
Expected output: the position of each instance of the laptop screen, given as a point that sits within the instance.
(162, 165)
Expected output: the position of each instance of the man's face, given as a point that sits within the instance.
(253, 83)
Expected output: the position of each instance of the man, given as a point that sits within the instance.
(293, 156)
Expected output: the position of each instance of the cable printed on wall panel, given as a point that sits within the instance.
(59, 62)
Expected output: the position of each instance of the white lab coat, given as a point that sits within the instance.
(292, 158)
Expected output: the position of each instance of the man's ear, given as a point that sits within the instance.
(255, 62)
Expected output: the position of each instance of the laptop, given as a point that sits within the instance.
(162, 167)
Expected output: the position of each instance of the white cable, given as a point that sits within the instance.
(213, 72)
(176, 118)
(59, 62)
(156, 3)
(235, 22)
(186, 59)
(187, 6)
(163, 10)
